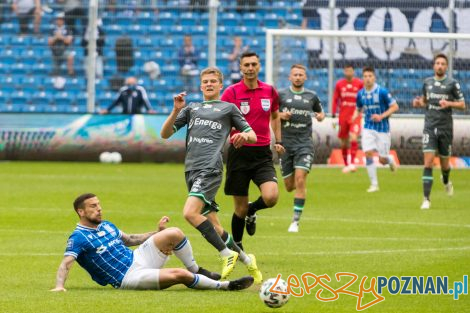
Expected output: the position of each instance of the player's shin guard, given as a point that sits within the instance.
(344, 152)
(427, 182)
(298, 208)
(208, 232)
(259, 204)
(372, 171)
(445, 176)
(354, 148)
(238, 227)
(184, 252)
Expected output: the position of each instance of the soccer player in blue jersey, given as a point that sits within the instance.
(102, 250)
(378, 105)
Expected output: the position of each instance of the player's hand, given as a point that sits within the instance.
(444, 103)
(319, 116)
(58, 289)
(162, 223)
(285, 116)
(376, 117)
(179, 101)
(103, 112)
(239, 139)
(279, 148)
(418, 102)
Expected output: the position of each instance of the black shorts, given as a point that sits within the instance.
(204, 185)
(439, 140)
(249, 163)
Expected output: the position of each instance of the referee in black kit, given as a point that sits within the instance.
(133, 98)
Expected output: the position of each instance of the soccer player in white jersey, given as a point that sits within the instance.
(102, 250)
(378, 105)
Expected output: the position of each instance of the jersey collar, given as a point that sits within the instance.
(439, 80)
(373, 88)
(297, 92)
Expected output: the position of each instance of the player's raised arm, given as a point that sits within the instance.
(178, 104)
(63, 272)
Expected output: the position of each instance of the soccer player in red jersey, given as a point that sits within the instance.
(345, 97)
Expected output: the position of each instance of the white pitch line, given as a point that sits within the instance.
(284, 253)
(346, 220)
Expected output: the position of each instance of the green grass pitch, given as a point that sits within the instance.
(343, 229)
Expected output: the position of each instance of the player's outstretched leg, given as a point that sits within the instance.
(241, 283)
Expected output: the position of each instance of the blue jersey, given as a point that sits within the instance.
(376, 101)
(101, 253)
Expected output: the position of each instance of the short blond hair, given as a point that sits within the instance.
(212, 70)
(299, 66)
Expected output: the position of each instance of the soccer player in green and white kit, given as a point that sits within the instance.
(209, 124)
(297, 106)
(441, 94)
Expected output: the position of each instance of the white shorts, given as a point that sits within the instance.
(144, 272)
(375, 141)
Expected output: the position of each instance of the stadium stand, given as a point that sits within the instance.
(157, 34)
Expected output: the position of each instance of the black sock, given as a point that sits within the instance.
(208, 232)
(256, 206)
(445, 176)
(230, 243)
(238, 227)
(427, 182)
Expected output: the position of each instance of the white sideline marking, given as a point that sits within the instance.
(284, 253)
(347, 220)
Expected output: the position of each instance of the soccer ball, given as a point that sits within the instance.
(105, 157)
(272, 299)
(116, 157)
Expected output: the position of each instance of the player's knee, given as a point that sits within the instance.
(290, 187)
(189, 216)
(175, 233)
(181, 275)
(271, 199)
(383, 160)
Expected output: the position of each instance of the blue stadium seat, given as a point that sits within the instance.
(250, 19)
(167, 18)
(189, 19)
(20, 41)
(9, 28)
(229, 19)
(271, 20)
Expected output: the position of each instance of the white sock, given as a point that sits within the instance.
(203, 282)
(225, 252)
(372, 172)
(244, 258)
(184, 252)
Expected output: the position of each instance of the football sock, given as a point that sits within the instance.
(232, 245)
(184, 252)
(427, 182)
(354, 148)
(298, 208)
(208, 232)
(445, 176)
(238, 227)
(372, 171)
(203, 282)
(256, 206)
(344, 152)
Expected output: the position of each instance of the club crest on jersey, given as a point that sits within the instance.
(70, 244)
(245, 107)
(101, 249)
(376, 98)
(297, 97)
(266, 104)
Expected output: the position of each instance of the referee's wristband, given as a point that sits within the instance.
(278, 143)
